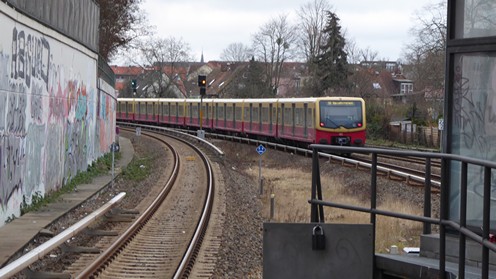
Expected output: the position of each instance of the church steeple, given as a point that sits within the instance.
(201, 60)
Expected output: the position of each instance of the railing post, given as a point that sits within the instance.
(444, 215)
(373, 200)
(463, 220)
(486, 215)
(317, 211)
(427, 195)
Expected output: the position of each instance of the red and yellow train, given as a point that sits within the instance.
(303, 121)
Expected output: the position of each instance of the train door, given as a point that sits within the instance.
(293, 119)
(216, 115)
(236, 114)
(270, 118)
(259, 116)
(305, 120)
(227, 114)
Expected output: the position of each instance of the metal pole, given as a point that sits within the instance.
(260, 174)
(272, 207)
(201, 110)
(113, 151)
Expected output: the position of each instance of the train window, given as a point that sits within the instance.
(150, 109)
(281, 117)
(235, 110)
(216, 114)
(305, 120)
(173, 109)
(310, 118)
(288, 115)
(237, 113)
(260, 117)
(299, 121)
(207, 112)
(247, 114)
(251, 116)
(255, 114)
(220, 112)
(270, 117)
(265, 114)
(293, 117)
(229, 113)
(345, 114)
(129, 108)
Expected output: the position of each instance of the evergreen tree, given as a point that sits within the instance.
(331, 65)
(254, 84)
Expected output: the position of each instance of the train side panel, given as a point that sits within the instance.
(295, 120)
(125, 109)
(259, 117)
(227, 115)
(171, 112)
(194, 115)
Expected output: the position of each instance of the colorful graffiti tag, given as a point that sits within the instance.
(54, 121)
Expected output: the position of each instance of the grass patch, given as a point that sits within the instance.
(101, 166)
(138, 169)
(292, 190)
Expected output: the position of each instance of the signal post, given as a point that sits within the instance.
(202, 83)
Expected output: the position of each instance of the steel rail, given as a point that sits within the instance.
(93, 268)
(40, 251)
(308, 152)
(185, 265)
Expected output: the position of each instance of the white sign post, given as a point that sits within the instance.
(260, 150)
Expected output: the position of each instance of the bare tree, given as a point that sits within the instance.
(368, 54)
(121, 23)
(236, 52)
(426, 53)
(159, 58)
(274, 44)
(312, 20)
(352, 50)
(479, 18)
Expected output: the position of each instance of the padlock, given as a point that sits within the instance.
(318, 238)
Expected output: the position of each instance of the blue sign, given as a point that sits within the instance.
(261, 149)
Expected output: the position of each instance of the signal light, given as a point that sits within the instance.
(134, 84)
(202, 80)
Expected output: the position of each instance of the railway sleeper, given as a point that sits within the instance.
(30, 274)
(79, 249)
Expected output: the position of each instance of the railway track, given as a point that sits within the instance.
(161, 237)
(162, 241)
(408, 169)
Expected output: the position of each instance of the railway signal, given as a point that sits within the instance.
(202, 83)
(134, 85)
(202, 80)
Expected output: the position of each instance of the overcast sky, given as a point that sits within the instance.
(211, 25)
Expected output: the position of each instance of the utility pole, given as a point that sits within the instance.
(202, 83)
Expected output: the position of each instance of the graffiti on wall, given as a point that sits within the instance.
(49, 129)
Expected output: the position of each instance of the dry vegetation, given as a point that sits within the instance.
(288, 178)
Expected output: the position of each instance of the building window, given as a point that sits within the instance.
(406, 88)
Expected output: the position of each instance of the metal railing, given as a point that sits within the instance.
(445, 224)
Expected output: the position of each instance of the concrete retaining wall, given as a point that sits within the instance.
(56, 116)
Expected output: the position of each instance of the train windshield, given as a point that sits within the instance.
(341, 114)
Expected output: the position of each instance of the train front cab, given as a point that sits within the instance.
(227, 116)
(295, 120)
(259, 117)
(340, 121)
